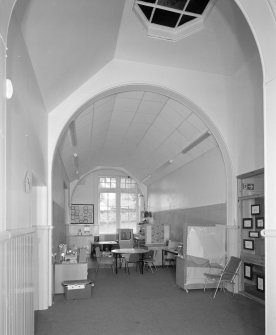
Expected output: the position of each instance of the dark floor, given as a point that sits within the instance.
(149, 304)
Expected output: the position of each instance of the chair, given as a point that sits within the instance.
(226, 276)
(104, 259)
(170, 259)
(149, 260)
(133, 259)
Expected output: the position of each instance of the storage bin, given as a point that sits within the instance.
(77, 289)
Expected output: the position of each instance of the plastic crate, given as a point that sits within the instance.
(77, 289)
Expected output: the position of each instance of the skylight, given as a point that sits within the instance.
(172, 19)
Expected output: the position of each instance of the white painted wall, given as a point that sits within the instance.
(199, 183)
(247, 149)
(26, 132)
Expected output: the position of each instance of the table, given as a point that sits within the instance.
(167, 250)
(129, 251)
(104, 245)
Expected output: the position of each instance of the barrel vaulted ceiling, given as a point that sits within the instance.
(142, 132)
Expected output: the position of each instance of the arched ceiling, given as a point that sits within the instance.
(70, 41)
(148, 134)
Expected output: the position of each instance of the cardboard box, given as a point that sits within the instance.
(77, 289)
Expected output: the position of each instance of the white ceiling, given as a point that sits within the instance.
(69, 41)
(139, 131)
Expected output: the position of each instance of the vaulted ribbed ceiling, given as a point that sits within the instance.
(142, 131)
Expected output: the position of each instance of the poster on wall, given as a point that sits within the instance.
(82, 213)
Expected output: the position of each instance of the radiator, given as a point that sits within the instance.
(16, 280)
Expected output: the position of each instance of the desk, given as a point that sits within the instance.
(129, 251)
(167, 250)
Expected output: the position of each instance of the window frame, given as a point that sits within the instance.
(118, 190)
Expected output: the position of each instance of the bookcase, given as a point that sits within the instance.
(251, 216)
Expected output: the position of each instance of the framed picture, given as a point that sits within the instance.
(260, 283)
(260, 223)
(254, 234)
(255, 209)
(82, 213)
(247, 271)
(248, 244)
(247, 223)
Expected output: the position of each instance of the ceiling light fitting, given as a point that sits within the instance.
(76, 161)
(196, 142)
(73, 134)
(189, 147)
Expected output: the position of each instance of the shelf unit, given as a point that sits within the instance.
(251, 218)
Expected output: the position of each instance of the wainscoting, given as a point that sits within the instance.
(17, 284)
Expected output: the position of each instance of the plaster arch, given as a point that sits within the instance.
(231, 201)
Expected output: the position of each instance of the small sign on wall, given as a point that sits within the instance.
(248, 186)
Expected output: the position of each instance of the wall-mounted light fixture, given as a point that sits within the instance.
(9, 89)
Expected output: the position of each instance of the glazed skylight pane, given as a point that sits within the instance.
(185, 18)
(197, 6)
(176, 4)
(146, 10)
(165, 18)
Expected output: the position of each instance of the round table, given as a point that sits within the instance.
(140, 251)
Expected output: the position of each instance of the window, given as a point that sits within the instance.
(106, 182)
(107, 213)
(118, 204)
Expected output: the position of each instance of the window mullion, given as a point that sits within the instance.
(118, 203)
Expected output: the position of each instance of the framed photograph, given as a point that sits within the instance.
(247, 223)
(247, 271)
(260, 283)
(248, 244)
(260, 223)
(254, 234)
(255, 209)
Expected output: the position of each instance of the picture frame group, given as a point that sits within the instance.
(260, 223)
(247, 223)
(248, 244)
(255, 209)
(254, 234)
(248, 271)
(260, 284)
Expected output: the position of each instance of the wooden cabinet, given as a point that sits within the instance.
(251, 218)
